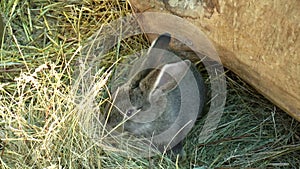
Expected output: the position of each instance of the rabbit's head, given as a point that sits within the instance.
(142, 98)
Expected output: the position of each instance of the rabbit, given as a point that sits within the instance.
(162, 98)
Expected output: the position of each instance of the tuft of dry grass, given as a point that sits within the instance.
(39, 122)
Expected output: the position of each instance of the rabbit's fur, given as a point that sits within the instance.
(161, 101)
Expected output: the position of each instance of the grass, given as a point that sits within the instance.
(39, 121)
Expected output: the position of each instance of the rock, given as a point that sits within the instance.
(259, 41)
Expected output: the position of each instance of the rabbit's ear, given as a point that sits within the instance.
(162, 42)
(170, 75)
(156, 51)
(165, 79)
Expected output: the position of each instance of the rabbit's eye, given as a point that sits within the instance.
(129, 112)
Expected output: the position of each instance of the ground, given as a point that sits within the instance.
(41, 125)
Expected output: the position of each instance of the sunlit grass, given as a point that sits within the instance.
(41, 124)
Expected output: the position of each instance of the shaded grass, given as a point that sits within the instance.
(39, 122)
(252, 133)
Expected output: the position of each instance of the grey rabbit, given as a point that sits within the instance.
(162, 98)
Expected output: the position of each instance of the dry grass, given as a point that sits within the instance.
(39, 122)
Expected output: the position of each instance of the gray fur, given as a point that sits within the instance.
(160, 102)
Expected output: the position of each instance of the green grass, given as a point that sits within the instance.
(40, 123)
